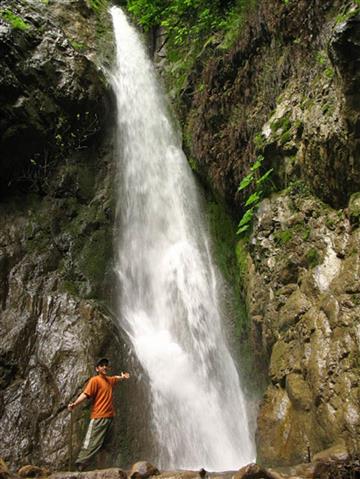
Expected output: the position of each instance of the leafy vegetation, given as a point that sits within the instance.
(313, 258)
(98, 5)
(185, 21)
(258, 185)
(190, 28)
(15, 21)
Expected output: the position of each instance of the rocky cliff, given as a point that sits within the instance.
(287, 94)
(287, 91)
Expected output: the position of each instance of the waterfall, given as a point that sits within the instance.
(169, 285)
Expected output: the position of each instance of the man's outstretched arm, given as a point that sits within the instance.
(81, 398)
(122, 376)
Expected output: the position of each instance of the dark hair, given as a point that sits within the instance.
(102, 362)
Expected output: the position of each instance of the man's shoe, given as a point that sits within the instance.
(80, 466)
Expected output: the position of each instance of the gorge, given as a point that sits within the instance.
(283, 92)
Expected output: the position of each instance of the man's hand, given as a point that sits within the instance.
(124, 376)
(79, 400)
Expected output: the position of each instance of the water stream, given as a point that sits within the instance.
(169, 284)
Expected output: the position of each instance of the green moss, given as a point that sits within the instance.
(354, 209)
(330, 223)
(259, 141)
(329, 73)
(95, 255)
(193, 164)
(222, 231)
(285, 137)
(298, 187)
(15, 21)
(321, 57)
(79, 46)
(230, 255)
(356, 300)
(313, 258)
(306, 233)
(328, 109)
(69, 287)
(283, 124)
(283, 237)
(241, 257)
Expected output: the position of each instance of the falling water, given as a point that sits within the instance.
(169, 303)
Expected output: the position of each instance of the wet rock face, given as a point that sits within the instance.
(56, 219)
(49, 340)
(305, 261)
(53, 98)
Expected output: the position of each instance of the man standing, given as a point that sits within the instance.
(100, 390)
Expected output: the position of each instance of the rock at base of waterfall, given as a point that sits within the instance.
(143, 470)
(33, 471)
(110, 473)
(4, 470)
(255, 471)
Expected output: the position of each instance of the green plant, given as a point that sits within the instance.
(98, 5)
(283, 124)
(283, 237)
(313, 258)
(258, 187)
(15, 21)
(259, 141)
(328, 109)
(321, 58)
(192, 29)
(285, 137)
(306, 234)
(329, 72)
(79, 46)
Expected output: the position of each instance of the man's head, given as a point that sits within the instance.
(102, 366)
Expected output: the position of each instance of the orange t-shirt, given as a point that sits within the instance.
(100, 390)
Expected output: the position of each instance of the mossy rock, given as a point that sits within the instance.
(94, 258)
(354, 209)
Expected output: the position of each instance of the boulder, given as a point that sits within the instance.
(33, 471)
(255, 471)
(4, 470)
(143, 470)
(110, 473)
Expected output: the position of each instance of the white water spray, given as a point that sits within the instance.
(169, 303)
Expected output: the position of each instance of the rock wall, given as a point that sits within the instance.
(303, 298)
(288, 91)
(280, 70)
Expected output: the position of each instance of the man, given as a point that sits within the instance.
(100, 390)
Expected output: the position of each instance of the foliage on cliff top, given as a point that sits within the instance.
(189, 27)
(188, 20)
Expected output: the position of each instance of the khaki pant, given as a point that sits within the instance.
(94, 439)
